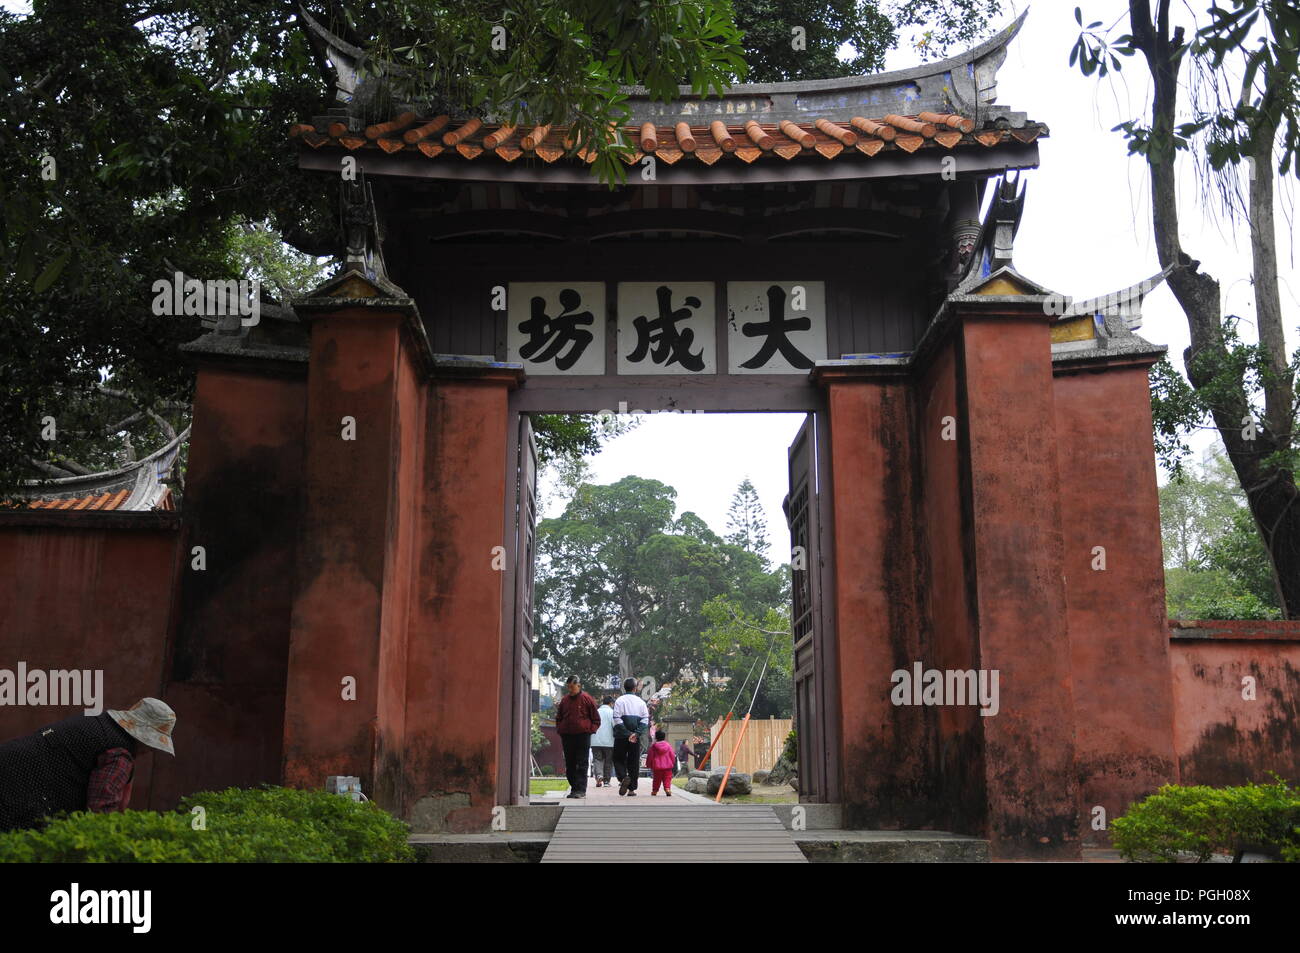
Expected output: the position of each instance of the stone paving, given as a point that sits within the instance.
(609, 795)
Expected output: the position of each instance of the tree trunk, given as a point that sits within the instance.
(1270, 491)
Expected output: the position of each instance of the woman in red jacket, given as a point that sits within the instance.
(576, 720)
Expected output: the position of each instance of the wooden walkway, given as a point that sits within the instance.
(694, 834)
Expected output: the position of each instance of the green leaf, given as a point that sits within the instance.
(52, 272)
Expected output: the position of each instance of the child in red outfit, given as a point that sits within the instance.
(662, 764)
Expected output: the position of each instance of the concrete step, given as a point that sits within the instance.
(891, 847)
(542, 815)
(819, 846)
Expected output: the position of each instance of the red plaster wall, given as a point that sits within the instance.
(399, 581)
(243, 490)
(1018, 555)
(1118, 630)
(454, 646)
(553, 752)
(948, 585)
(345, 546)
(86, 598)
(1221, 738)
(885, 757)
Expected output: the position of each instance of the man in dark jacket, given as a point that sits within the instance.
(576, 720)
(83, 763)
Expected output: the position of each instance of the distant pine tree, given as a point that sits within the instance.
(746, 524)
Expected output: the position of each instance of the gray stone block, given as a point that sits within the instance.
(737, 783)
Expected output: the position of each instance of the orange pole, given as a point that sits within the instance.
(705, 759)
(722, 789)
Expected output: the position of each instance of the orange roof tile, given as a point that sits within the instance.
(100, 501)
(746, 141)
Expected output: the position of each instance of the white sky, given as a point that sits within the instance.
(1086, 231)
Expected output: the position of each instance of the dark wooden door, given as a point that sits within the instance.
(525, 531)
(810, 711)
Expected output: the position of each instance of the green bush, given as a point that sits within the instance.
(548, 769)
(265, 825)
(1202, 821)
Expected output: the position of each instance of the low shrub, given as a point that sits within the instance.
(1203, 821)
(263, 825)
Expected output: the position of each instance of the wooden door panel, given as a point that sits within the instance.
(805, 615)
(525, 539)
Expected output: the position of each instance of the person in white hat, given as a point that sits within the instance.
(83, 763)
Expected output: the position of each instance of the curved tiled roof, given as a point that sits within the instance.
(748, 141)
(136, 486)
(98, 501)
(946, 104)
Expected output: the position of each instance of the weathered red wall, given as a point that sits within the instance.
(1017, 549)
(399, 581)
(454, 646)
(1118, 628)
(243, 487)
(347, 552)
(83, 597)
(948, 583)
(1221, 738)
(886, 751)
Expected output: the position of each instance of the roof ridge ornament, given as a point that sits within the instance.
(994, 249)
(1120, 310)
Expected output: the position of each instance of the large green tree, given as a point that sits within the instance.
(746, 524)
(820, 39)
(750, 660)
(1216, 566)
(1224, 89)
(622, 582)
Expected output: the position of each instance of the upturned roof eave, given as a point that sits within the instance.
(852, 83)
(965, 83)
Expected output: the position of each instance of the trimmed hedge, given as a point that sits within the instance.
(1202, 821)
(263, 825)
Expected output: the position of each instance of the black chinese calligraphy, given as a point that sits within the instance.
(661, 339)
(548, 337)
(775, 329)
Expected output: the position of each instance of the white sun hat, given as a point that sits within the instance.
(150, 721)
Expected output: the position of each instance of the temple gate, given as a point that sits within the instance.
(974, 487)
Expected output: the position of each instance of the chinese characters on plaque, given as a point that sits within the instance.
(555, 328)
(667, 327)
(775, 327)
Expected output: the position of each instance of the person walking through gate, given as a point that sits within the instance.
(602, 743)
(83, 763)
(684, 757)
(631, 719)
(662, 764)
(576, 720)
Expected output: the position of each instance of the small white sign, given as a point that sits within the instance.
(556, 327)
(667, 327)
(775, 327)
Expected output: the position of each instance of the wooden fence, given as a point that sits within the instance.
(764, 739)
